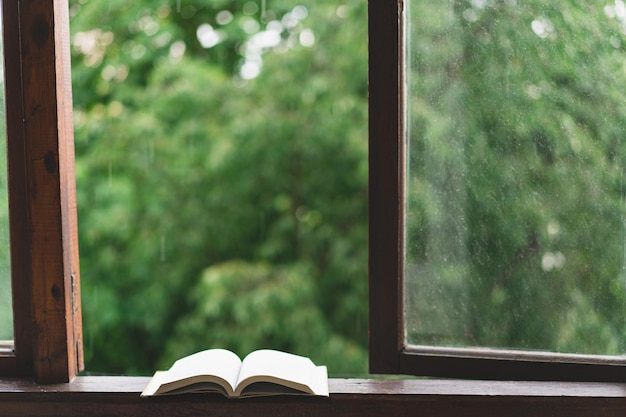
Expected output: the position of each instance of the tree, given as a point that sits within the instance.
(517, 175)
(199, 178)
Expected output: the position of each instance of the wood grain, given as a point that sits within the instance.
(50, 224)
(119, 396)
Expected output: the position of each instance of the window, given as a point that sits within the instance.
(395, 349)
(44, 247)
(119, 396)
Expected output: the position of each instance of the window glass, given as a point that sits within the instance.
(515, 180)
(6, 312)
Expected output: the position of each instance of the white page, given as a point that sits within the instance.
(285, 366)
(219, 362)
(320, 381)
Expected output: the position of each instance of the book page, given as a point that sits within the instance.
(219, 362)
(153, 385)
(275, 366)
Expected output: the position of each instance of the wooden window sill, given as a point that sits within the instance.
(119, 396)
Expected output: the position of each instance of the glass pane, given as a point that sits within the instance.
(515, 181)
(6, 312)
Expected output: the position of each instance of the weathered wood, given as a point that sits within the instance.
(119, 396)
(49, 164)
(69, 210)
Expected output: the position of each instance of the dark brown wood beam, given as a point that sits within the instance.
(119, 396)
(51, 222)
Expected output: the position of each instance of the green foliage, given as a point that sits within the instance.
(197, 183)
(222, 186)
(244, 307)
(517, 187)
(6, 313)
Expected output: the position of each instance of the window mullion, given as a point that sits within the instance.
(386, 201)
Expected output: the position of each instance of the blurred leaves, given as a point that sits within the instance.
(516, 186)
(214, 205)
(222, 178)
(6, 313)
(245, 307)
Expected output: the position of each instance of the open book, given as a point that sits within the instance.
(261, 373)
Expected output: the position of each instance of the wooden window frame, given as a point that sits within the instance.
(42, 193)
(388, 353)
(44, 243)
(45, 89)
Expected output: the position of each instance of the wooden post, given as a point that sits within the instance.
(51, 191)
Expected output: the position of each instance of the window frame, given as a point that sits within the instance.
(42, 193)
(387, 165)
(43, 221)
(386, 174)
